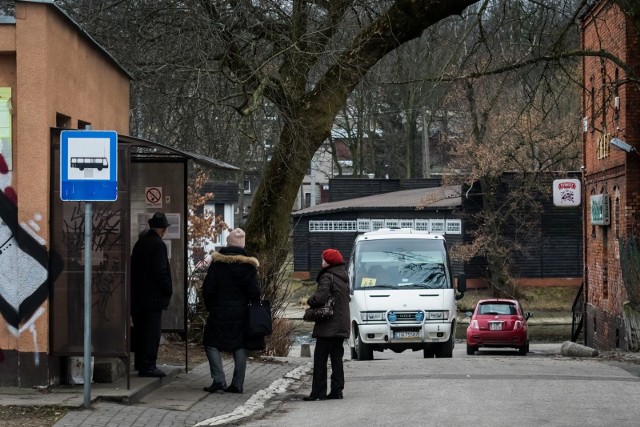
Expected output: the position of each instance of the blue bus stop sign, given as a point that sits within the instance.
(88, 165)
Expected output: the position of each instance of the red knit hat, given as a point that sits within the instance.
(332, 256)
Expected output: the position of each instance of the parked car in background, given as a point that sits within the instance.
(498, 323)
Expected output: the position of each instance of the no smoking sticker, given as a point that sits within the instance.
(153, 197)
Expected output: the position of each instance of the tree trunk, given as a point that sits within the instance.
(267, 228)
(309, 118)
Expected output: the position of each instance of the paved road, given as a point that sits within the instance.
(493, 388)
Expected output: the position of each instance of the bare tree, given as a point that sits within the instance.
(305, 58)
(523, 122)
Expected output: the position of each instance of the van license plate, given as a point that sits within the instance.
(410, 334)
(495, 326)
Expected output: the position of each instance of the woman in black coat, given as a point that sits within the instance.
(231, 282)
(330, 333)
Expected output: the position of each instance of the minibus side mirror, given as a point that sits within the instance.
(462, 285)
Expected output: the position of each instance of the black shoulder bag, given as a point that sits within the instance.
(321, 313)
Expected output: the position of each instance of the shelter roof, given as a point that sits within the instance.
(145, 149)
(149, 149)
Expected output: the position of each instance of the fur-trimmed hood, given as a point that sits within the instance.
(230, 259)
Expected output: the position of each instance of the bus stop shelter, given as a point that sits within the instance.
(152, 177)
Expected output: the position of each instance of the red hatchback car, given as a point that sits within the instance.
(498, 323)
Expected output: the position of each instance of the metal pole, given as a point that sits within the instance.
(88, 219)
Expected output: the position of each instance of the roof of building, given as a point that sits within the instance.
(420, 198)
(222, 191)
(70, 20)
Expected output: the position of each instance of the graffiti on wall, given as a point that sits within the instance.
(105, 252)
(24, 263)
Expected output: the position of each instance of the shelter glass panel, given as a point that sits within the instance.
(151, 192)
(109, 261)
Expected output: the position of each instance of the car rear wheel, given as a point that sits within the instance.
(471, 349)
(524, 349)
(364, 351)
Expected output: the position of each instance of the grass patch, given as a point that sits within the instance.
(535, 298)
(300, 291)
(30, 416)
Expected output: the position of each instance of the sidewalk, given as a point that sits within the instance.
(177, 400)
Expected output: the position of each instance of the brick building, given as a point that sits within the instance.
(611, 175)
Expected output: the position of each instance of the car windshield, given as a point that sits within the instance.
(401, 263)
(497, 308)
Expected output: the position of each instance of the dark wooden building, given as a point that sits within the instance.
(336, 224)
(555, 258)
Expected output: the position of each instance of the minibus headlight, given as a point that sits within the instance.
(437, 315)
(371, 316)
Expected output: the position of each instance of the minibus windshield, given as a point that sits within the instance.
(401, 264)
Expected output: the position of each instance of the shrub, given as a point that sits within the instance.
(630, 265)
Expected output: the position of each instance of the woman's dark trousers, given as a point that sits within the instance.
(327, 348)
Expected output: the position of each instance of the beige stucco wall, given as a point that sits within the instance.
(51, 67)
(58, 71)
(7, 39)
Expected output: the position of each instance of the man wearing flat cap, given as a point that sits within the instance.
(151, 290)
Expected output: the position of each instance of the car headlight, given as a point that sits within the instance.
(371, 316)
(437, 315)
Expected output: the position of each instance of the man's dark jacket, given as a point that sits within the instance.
(231, 282)
(151, 286)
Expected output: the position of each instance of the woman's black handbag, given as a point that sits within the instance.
(320, 313)
(259, 319)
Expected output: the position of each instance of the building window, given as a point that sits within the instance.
(436, 225)
(364, 225)
(454, 226)
(377, 224)
(335, 226)
(605, 263)
(307, 200)
(617, 217)
(392, 223)
(63, 121)
(440, 226)
(593, 105)
(422, 224)
(406, 223)
(247, 186)
(84, 125)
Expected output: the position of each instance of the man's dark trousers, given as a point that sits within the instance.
(147, 328)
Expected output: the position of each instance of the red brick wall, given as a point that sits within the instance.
(607, 169)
